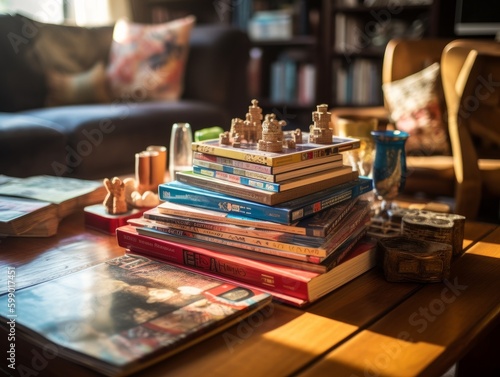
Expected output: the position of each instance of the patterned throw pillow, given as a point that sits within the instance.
(147, 62)
(415, 107)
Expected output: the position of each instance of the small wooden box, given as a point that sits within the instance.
(437, 227)
(408, 259)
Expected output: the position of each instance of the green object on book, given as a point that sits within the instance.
(208, 133)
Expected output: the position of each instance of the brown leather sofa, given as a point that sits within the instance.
(93, 141)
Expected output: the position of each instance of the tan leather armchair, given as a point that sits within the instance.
(471, 83)
(431, 175)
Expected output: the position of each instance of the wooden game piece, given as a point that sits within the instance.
(320, 131)
(114, 201)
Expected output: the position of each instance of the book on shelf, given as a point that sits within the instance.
(303, 151)
(276, 178)
(261, 196)
(33, 206)
(285, 213)
(306, 90)
(295, 286)
(311, 246)
(270, 170)
(131, 312)
(292, 77)
(306, 179)
(315, 229)
(358, 83)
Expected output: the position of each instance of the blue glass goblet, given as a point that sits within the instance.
(389, 167)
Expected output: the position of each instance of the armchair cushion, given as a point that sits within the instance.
(414, 104)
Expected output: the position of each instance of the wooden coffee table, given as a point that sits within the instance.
(369, 327)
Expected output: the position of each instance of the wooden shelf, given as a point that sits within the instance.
(339, 68)
(296, 41)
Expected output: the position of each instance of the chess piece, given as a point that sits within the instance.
(114, 201)
(320, 131)
(272, 134)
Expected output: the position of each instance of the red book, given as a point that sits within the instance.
(281, 281)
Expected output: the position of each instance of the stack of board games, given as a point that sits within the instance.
(297, 243)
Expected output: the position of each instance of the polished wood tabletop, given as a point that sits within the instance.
(368, 327)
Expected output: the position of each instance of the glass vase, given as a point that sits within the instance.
(389, 168)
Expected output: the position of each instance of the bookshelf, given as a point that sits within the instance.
(283, 71)
(284, 36)
(331, 49)
(353, 40)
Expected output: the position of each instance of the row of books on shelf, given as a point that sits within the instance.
(355, 33)
(33, 206)
(358, 83)
(292, 82)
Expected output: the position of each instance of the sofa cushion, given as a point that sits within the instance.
(414, 104)
(30, 145)
(78, 88)
(71, 49)
(147, 62)
(30, 49)
(22, 80)
(103, 138)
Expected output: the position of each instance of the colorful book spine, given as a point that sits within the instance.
(305, 151)
(293, 183)
(224, 226)
(261, 196)
(264, 169)
(239, 179)
(321, 224)
(277, 178)
(315, 227)
(233, 170)
(275, 279)
(259, 244)
(285, 213)
(281, 279)
(234, 163)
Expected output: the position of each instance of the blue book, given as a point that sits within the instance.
(283, 213)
